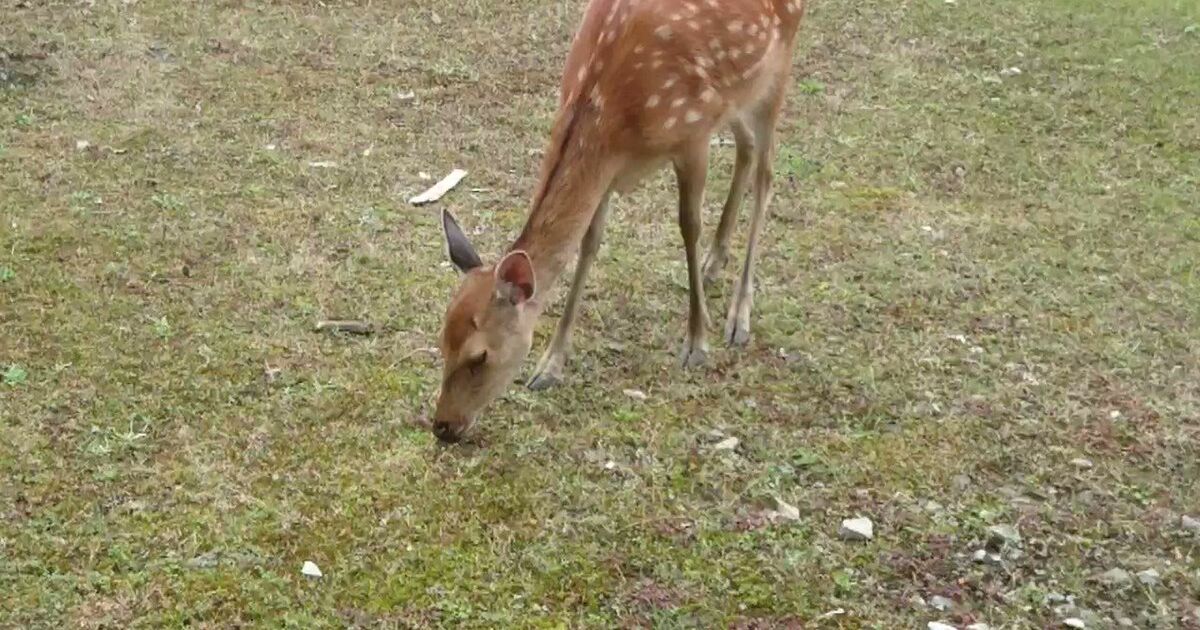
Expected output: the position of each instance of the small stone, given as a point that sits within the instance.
(1010, 72)
(786, 510)
(980, 555)
(938, 625)
(979, 626)
(635, 394)
(1074, 622)
(933, 506)
(81, 145)
(857, 529)
(1082, 463)
(1115, 577)
(1001, 535)
(311, 569)
(1057, 598)
(1149, 577)
(1190, 524)
(941, 604)
(961, 482)
(728, 444)
(1125, 622)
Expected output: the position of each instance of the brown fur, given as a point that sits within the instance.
(646, 82)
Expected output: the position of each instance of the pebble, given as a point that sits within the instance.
(1082, 463)
(635, 394)
(786, 510)
(728, 444)
(1149, 577)
(1115, 577)
(979, 626)
(1189, 523)
(857, 529)
(942, 604)
(1001, 535)
(1074, 622)
(311, 569)
(1125, 622)
(938, 625)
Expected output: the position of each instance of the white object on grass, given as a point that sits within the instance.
(439, 189)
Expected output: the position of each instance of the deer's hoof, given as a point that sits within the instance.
(544, 380)
(737, 334)
(693, 356)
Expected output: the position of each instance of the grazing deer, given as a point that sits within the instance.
(647, 82)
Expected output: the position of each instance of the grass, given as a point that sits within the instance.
(973, 277)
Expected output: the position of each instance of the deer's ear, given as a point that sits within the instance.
(461, 253)
(515, 279)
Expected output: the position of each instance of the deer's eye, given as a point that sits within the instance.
(476, 362)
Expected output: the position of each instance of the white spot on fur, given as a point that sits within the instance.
(692, 116)
(663, 32)
(708, 95)
(679, 101)
(735, 26)
(653, 100)
(670, 123)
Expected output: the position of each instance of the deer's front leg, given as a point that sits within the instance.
(552, 364)
(691, 169)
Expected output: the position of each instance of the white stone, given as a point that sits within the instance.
(786, 510)
(1115, 577)
(311, 569)
(635, 394)
(1074, 622)
(942, 604)
(1149, 577)
(857, 529)
(1081, 462)
(728, 444)
(1190, 524)
(938, 625)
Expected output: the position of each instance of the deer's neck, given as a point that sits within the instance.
(574, 183)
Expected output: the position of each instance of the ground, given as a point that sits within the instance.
(978, 306)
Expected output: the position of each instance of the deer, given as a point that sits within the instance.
(646, 85)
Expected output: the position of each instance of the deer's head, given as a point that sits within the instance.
(487, 332)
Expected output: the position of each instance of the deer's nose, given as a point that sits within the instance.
(445, 432)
